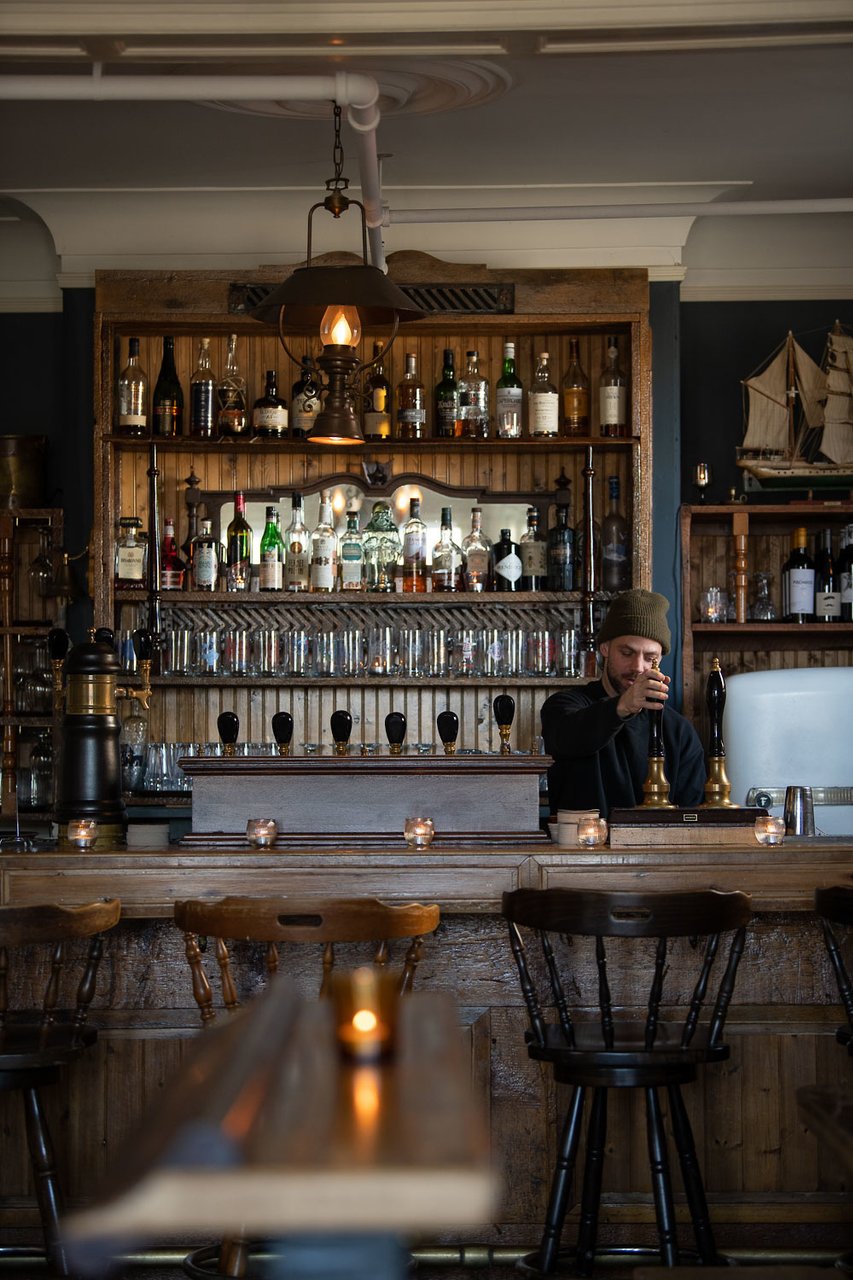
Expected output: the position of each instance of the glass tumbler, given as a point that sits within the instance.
(411, 650)
(492, 650)
(382, 651)
(437, 652)
(465, 653)
(515, 652)
(350, 651)
(295, 652)
(265, 651)
(177, 652)
(235, 651)
(325, 653)
(206, 653)
(540, 653)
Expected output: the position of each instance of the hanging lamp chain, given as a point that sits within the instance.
(336, 202)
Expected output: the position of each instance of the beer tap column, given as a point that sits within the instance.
(656, 786)
(718, 789)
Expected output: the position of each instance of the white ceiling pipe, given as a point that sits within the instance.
(357, 92)
(559, 213)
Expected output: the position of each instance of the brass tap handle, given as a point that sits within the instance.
(656, 786)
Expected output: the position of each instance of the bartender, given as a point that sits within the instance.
(598, 734)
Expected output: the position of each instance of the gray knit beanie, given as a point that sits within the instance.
(637, 613)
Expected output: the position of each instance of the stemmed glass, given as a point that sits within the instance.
(764, 609)
(40, 571)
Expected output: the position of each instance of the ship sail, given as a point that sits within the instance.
(767, 427)
(837, 440)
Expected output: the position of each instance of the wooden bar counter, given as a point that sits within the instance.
(770, 1183)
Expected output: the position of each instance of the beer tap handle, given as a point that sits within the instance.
(228, 725)
(395, 730)
(718, 789)
(58, 642)
(504, 709)
(282, 729)
(448, 730)
(341, 722)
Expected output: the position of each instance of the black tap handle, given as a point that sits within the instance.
(715, 698)
(342, 726)
(228, 725)
(448, 726)
(282, 728)
(105, 635)
(395, 728)
(143, 645)
(58, 642)
(504, 709)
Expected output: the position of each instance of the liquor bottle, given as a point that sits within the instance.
(130, 557)
(133, 394)
(414, 549)
(352, 556)
(543, 402)
(203, 395)
(507, 563)
(204, 560)
(297, 559)
(845, 573)
(473, 400)
(827, 592)
(232, 417)
(509, 398)
(533, 551)
(798, 581)
(448, 424)
(167, 400)
(304, 400)
(324, 548)
(477, 555)
(613, 396)
(411, 403)
(377, 414)
(615, 544)
(172, 567)
(446, 557)
(271, 572)
(561, 553)
(382, 548)
(575, 394)
(238, 548)
(269, 412)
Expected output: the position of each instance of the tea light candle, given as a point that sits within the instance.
(592, 832)
(769, 830)
(365, 1002)
(83, 832)
(261, 832)
(418, 832)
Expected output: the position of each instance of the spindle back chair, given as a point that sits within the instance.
(834, 905)
(663, 1048)
(36, 1041)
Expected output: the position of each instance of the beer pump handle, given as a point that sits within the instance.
(504, 709)
(447, 723)
(341, 722)
(395, 730)
(282, 730)
(228, 724)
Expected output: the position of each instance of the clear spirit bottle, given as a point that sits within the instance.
(613, 395)
(414, 549)
(533, 550)
(324, 548)
(352, 555)
(474, 400)
(477, 555)
(202, 395)
(233, 416)
(446, 557)
(133, 395)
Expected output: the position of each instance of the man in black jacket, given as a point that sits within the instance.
(598, 733)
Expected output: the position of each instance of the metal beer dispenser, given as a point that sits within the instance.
(90, 784)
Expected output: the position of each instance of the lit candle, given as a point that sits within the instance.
(261, 832)
(769, 830)
(592, 832)
(365, 1003)
(418, 832)
(83, 832)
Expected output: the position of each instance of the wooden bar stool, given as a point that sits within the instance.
(36, 1043)
(273, 921)
(835, 906)
(612, 1052)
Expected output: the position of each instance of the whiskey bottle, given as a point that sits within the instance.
(543, 402)
(533, 550)
(377, 390)
(411, 403)
(238, 548)
(575, 394)
(474, 400)
(477, 555)
(324, 548)
(509, 398)
(167, 400)
(232, 416)
(131, 560)
(202, 395)
(446, 557)
(414, 549)
(448, 424)
(613, 396)
(133, 394)
(269, 412)
(304, 400)
(271, 570)
(204, 559)
(297, 559)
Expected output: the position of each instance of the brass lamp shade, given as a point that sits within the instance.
(307, 293)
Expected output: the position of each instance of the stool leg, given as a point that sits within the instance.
(233, 1258)
(47, 1188)
(661, 1182)
(561, 1181)
(595, 1140)
(692, 1177)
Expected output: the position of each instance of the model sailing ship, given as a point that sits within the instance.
(799, 415)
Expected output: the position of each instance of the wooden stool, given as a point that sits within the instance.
(36, 1043)
(614, 1053)
(288, 920)
(835, 906)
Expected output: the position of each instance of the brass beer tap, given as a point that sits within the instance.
(656, 786)
(718, 789)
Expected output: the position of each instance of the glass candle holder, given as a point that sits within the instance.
(83, 832)
(769, 830)
(261, 832)
(418, 832)
(592, 832)
(365, 1005)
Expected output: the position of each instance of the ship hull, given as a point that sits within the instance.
(783, 474)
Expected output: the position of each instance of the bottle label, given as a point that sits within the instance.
(508, 399)
(446, 413)
(201, 408)
(509, 567)
(414, 547)
(534, 559)
(801, 590)
(165, 417)
(612, 406)
(269, 573)
(130, 563)
(544, 409)
(827, 604)
(205, 568)
(323, 563)
(304, 414)
(296, 568)
(476, 569)
(352, 565)
(270, 417)
(377, 425)
(132, 420)
(576, 406)
(847, 586)
(412, 417)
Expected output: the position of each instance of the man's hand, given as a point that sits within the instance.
(648, 692)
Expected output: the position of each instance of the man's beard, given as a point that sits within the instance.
(617, 684)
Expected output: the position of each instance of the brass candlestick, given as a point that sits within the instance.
(718, 789)
(656, 786)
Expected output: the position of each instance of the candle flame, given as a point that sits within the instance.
(365, 1020)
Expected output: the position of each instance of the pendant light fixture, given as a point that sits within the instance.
(337, 303)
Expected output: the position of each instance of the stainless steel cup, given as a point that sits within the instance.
(799, 811)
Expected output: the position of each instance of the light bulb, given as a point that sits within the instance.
(340, 327)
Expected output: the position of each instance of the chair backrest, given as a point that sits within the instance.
(326, 921)
(834, 905)
(599, 914)
(56, 926)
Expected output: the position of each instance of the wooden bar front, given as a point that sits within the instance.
(770, 1182)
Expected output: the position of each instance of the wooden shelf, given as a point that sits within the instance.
(359, 599)
(228, 444)
(827, 629)
(363, 681)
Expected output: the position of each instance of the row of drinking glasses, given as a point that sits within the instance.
(372, 651)
(158, 768)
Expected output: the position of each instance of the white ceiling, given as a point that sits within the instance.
(489, 103)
